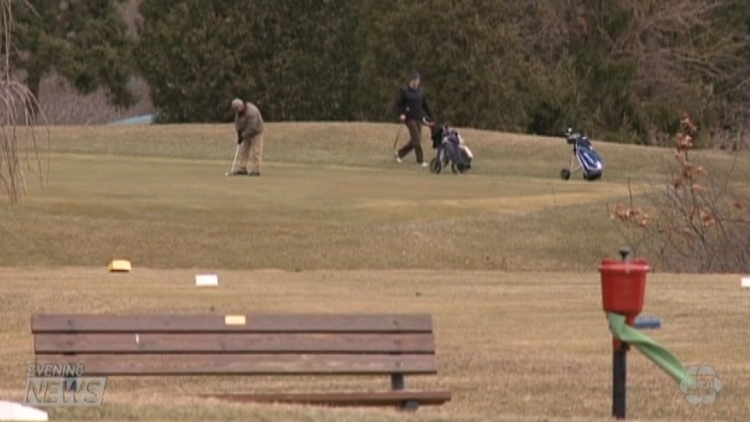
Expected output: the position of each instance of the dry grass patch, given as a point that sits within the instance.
(511, 346)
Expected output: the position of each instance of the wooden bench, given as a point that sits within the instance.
(299, 344)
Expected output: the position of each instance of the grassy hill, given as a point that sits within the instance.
(331, 197)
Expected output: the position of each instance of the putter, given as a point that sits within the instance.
(236, 151)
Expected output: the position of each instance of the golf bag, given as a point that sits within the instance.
(451, 149)
(584, 157)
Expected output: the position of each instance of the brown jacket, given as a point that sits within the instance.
(249, 123)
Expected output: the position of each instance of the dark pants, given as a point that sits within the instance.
(415, 141)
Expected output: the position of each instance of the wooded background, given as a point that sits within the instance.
(622, 70)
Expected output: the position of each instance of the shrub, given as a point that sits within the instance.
(698, 221)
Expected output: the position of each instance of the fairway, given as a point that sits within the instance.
(331, 197)
(505, 258)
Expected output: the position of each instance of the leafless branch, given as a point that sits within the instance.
(18, 124)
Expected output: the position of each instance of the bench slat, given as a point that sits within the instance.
(233, 342)
(244, 364)
(385, 398)
(269, 323)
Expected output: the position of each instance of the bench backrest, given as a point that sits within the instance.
(211, 344)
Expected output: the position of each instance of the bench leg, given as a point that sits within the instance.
(398, 384)
(71, 384)
(410, 406)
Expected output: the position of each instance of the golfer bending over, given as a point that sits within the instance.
(248, 123)
(413, 107)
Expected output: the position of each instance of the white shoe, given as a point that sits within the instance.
(398, 160)
(423, 164)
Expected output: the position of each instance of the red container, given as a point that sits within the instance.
(623, 286)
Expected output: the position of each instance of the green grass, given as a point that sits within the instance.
(505, 258)
(331, 197)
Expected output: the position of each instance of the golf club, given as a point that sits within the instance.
(236, 151)
(395, 143)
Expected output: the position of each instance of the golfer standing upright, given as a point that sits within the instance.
(413, 107)
(248, 123)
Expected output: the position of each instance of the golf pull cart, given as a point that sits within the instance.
(584, 157)
(451, 150)
(441, 161)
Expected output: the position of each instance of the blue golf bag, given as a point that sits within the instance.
(584, 158)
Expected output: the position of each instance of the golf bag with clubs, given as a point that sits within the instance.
(584, 157)
(451, 149)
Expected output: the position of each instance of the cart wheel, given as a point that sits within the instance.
(565, 174)
(435, 166)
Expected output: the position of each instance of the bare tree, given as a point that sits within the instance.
(19, 144)
(697, 221)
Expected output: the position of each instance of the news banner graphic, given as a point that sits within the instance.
(62, 385)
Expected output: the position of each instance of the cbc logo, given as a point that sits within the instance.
(704, 387)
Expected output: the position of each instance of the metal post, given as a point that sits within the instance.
(620, 366)
(619, 380)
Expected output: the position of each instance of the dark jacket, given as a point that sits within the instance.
(413, 103)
